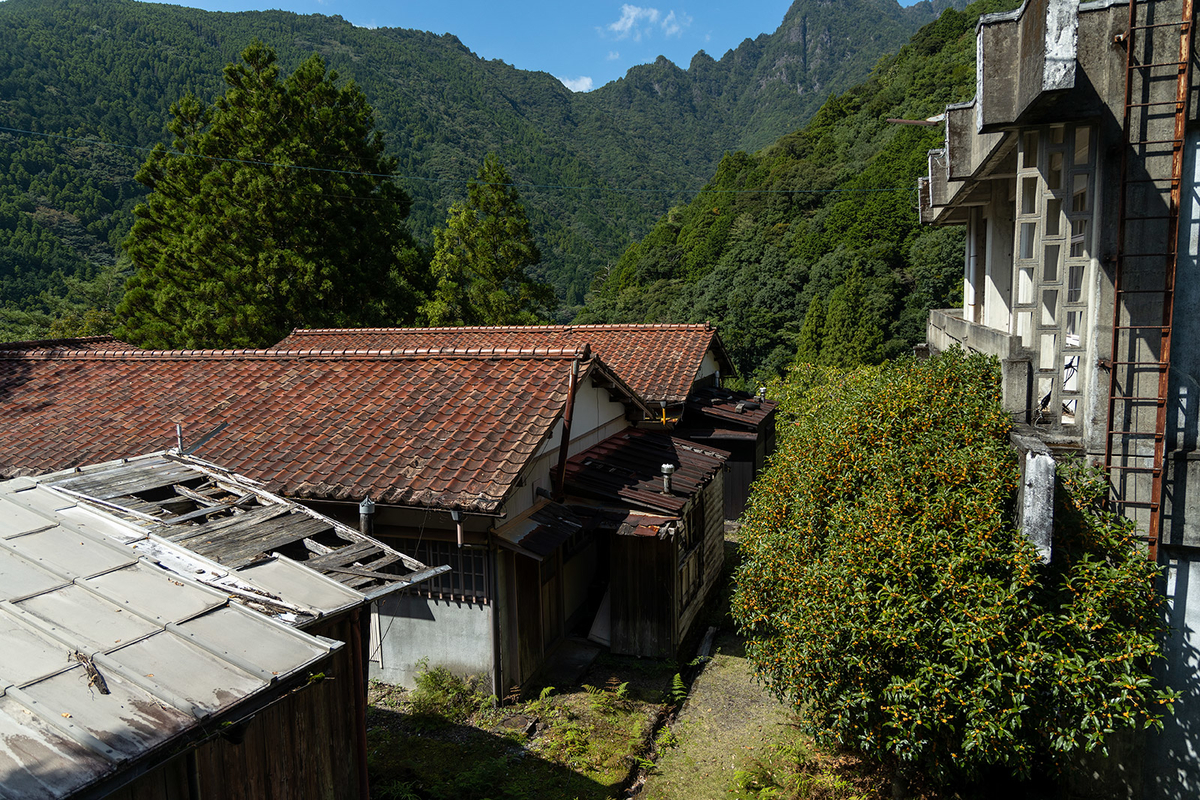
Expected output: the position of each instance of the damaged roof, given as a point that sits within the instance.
(260, 547)
(659, 362)
(109, 662)
(626, 468)
(719, 413)
(547, 525)
(435, 428)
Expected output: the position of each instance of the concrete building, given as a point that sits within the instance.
(1075, 172)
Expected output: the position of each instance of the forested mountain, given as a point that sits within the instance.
(812, 244)
(110, 69)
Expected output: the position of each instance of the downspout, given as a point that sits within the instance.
(494, 593)
(193, 775)
(572, 385)
(360, 703)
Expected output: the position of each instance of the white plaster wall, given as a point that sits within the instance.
(448, 633)
(596, 418)
(708, 366)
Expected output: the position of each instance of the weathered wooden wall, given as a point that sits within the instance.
(643, 583)
(713, 498)
(304, 746)
(168, 782)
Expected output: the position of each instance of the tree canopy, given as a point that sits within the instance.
(275, 209)
(481, 259)
(887, 593)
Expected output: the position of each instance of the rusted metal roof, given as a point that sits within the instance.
(420, 427)
(547, 525)
(659, 362)
(109, 662)
(262, 546)
(711, 406)
(626, 468)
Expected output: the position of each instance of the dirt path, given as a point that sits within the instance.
(728, 722)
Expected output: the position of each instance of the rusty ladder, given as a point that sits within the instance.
(1147, 241)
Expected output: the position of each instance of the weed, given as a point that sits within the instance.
(397, 790)
(679, 690)
(441, 693)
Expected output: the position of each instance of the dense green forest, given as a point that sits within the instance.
(108, 70)
(813, 243)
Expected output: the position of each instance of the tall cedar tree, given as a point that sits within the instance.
(481, 257)
(275, 211)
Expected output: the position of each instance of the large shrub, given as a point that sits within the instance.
(886, 592)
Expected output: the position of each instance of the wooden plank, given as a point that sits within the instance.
(343, 556)
(217, 528)
(363, 573)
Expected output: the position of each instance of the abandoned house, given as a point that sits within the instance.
(156, 641)
(677, 370)
(1075, 172)
(448, 444)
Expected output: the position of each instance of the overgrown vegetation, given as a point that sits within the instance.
(887, 594)
(822, 220)
(94, 80)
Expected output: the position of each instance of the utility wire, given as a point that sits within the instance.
(560, 187)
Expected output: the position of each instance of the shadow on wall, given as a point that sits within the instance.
(1172, 767)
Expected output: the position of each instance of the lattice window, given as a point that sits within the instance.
(1055, 209)
(467, 578)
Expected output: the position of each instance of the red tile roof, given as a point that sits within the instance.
(626, 469)
(449, 429)
(659, 362)
(77, 343)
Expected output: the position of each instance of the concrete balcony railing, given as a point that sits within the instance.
(946, 328)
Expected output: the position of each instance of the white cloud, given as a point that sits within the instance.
(613, 55)
(635, 21)
(673, 25)
(580, 84)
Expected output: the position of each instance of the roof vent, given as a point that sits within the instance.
(667, 471)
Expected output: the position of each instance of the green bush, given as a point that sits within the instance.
(886, 592)
(441, 693)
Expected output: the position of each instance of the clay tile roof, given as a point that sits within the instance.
(448, 429)
(659, 362)
(96, 343)
(626, 469)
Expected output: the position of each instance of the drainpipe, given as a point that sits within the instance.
(366, 516)
(360, 703)
(572, 385)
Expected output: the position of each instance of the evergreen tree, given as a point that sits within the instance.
(809, 349)
(481, 257)
(275, 211)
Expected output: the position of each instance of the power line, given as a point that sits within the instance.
(420, 178)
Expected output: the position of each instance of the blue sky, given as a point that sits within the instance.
(585, 45)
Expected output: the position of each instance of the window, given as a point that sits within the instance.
(467, 578)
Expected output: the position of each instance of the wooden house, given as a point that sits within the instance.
(447, 443)
(185, 674)
(680, 371)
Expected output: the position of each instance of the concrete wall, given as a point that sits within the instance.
(449, 634)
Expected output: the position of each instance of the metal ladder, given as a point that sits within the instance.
(1147, 241)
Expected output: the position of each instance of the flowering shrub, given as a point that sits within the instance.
(886, 592)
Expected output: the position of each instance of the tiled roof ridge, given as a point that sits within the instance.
(31, 344)
(412, 353)
(613, 326)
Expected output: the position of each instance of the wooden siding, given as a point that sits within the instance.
(168, 782)
(644, 575)
(303, 746)
(713, 497)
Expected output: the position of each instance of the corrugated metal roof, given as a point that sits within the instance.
(108, 660)
(726, 407)
(626, 468)
(546, 525)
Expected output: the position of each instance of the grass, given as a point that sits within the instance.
(448, 739)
